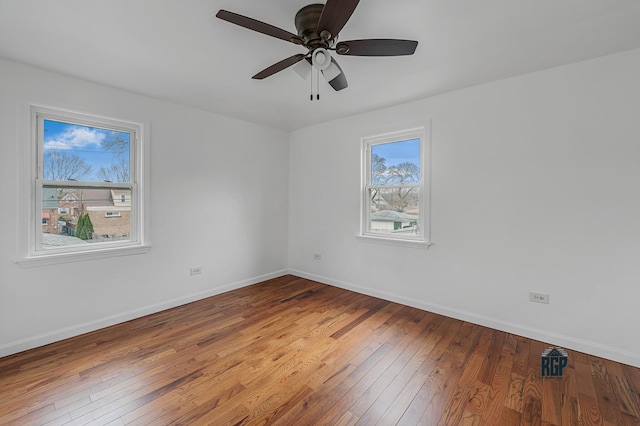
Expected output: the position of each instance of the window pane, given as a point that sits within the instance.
(395, 163)
(394, 210)
(79, 216)
(83, 153)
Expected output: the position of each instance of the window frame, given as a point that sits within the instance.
(422, 240)
(32, 251)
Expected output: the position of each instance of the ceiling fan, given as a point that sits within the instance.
(318, 26)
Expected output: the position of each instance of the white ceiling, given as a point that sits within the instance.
(178, 51)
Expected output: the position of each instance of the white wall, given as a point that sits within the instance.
(535, 187)
(219, 200)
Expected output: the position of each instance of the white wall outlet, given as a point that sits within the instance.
(195, 271)
(317, 256)
(539, 297)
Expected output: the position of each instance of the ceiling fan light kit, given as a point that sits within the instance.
(320, 59)
(318, 26)
(303, 69)
(331, 71)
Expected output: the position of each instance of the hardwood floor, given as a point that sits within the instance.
(295, 352)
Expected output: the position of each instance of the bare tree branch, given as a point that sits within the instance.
(117, 145)
(404, 173)
(63, 166)
(401, 174)
(117, 172)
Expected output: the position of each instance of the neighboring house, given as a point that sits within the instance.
(121, 198)
(391, 220)
(110, 213)
(109, 210)
(60, 210)
(50, 211)
(69, 208)
(69, 204)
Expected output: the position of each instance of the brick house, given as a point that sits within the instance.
(60, 210)
(109, 210)
(110, 213)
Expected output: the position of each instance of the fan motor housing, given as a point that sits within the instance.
(307, 25)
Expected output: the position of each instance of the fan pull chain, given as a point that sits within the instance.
(317, 84)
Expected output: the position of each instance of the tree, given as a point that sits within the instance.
(117, 172)
(399, 198)
(401, 174)
(378, 169)
(117, 145)
(84, 227)
(404, 173)
(88, 226)
(63, 166)
(81, 228)
(120, 171)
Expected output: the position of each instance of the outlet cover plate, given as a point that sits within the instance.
(538, 297)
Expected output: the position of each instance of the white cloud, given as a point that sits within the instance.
(76, 137)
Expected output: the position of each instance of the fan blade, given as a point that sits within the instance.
(340, 81)
(258, 26)
(335, 14)
(277, 67)
(377, 47)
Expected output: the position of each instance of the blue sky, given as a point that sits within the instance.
(399, 152)
(83, 141)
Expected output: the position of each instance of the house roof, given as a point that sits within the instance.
(55, 240)
(69, 194)
(95, 197)
(49, 198)
(392, 216)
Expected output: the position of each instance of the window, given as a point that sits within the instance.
(95, 164)
(395, 192)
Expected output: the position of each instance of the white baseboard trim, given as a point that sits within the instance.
(65, 333)
(552, 338)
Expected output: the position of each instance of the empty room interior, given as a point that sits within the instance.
(238, 212)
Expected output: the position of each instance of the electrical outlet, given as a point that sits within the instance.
(539, 297)
(317, 256)
(195, 271)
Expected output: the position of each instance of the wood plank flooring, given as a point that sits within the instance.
(290, 351)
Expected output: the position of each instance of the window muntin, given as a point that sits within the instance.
(394, 202)
(86, 166)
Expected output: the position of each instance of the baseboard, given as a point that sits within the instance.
(65, 333)
(555, 339)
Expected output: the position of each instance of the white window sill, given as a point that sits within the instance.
(423, 245)
(58, 258)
